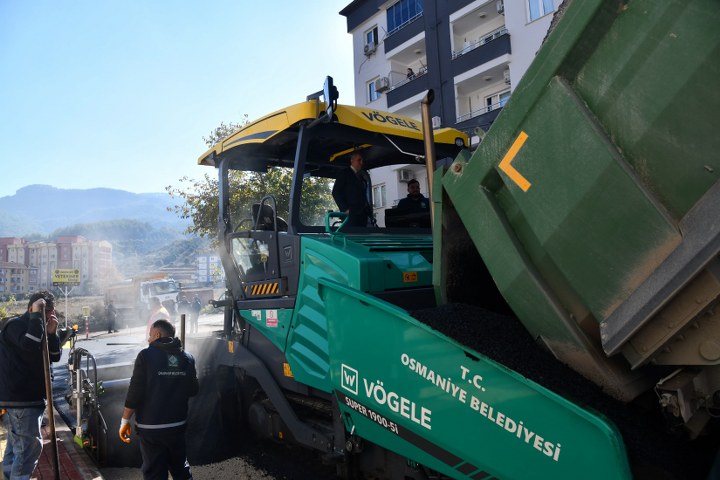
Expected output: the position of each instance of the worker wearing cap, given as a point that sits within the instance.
(22, 382)
(163, 379)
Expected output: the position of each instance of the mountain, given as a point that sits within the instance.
(42, 209)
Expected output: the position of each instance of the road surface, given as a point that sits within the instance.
(212, 455)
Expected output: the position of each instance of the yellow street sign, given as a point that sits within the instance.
(66, 277)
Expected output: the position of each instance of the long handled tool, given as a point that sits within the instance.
(182, 330)
(49, 395)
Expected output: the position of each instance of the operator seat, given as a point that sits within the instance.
(265, 219)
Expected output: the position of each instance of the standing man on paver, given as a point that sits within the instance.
(163, 379)
(22, 382)
(351, 192)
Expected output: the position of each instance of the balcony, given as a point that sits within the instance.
(491, 109)
(484, 40)
(407, 87)
(404, 32)
(480, 98)
(398, 79)
(482, 118)
(481, 53)
(404, 24)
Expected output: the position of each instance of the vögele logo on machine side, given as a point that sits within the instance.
(349, 380)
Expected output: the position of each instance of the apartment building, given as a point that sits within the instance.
(209, 269)
(471, 53)
(38, 260)
(16, 279)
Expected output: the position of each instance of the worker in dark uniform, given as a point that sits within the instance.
(163, 379)
(22, 382)
(195, 309)
(414, 202)
(111, 316)
(411, 211)
(351, 192)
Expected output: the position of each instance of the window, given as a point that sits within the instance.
(539, 8)
(504, 97)
(402, 12)
(371, 36)
(379, 200)
(496, 100)
(315, 200)
(372, 93)
(250, 255)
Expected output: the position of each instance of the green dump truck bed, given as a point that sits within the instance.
(598, 207)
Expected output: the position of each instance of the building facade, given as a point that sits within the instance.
(16, 279)
(39, 260)
(471, 53)
(209, 269)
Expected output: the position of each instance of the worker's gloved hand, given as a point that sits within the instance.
(125, 430)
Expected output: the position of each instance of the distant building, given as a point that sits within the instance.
(471, 53)
(13, 249)
(16, 279)
(92, 258)
(209, 269)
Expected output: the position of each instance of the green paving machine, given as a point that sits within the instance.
(589, 216)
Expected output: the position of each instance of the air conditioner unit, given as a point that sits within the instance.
(405, 175)
(369, 49)
(382, 84)
(436, 122)
(506, 76)
(500, 7)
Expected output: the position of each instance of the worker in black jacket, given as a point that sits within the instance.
(22, 382)
(414, 202)
(163, 379)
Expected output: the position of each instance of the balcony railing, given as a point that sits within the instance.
(404, 78)
(480, 41)
(404, 24)
(483, 110)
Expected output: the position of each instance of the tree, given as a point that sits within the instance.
(7, 307)
(199, 198)
(223, 131)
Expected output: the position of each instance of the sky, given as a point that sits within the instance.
(120, 93)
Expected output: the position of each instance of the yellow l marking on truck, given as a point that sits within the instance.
(509, 170)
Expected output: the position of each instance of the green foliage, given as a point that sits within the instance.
(37, 237)
(316, 200)
(198, 199)
(224, 130)
(180, 253)
(199, 203)
(128, 237)
(137, 246)
(9, 307)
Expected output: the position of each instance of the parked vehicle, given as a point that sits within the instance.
(131, 297)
